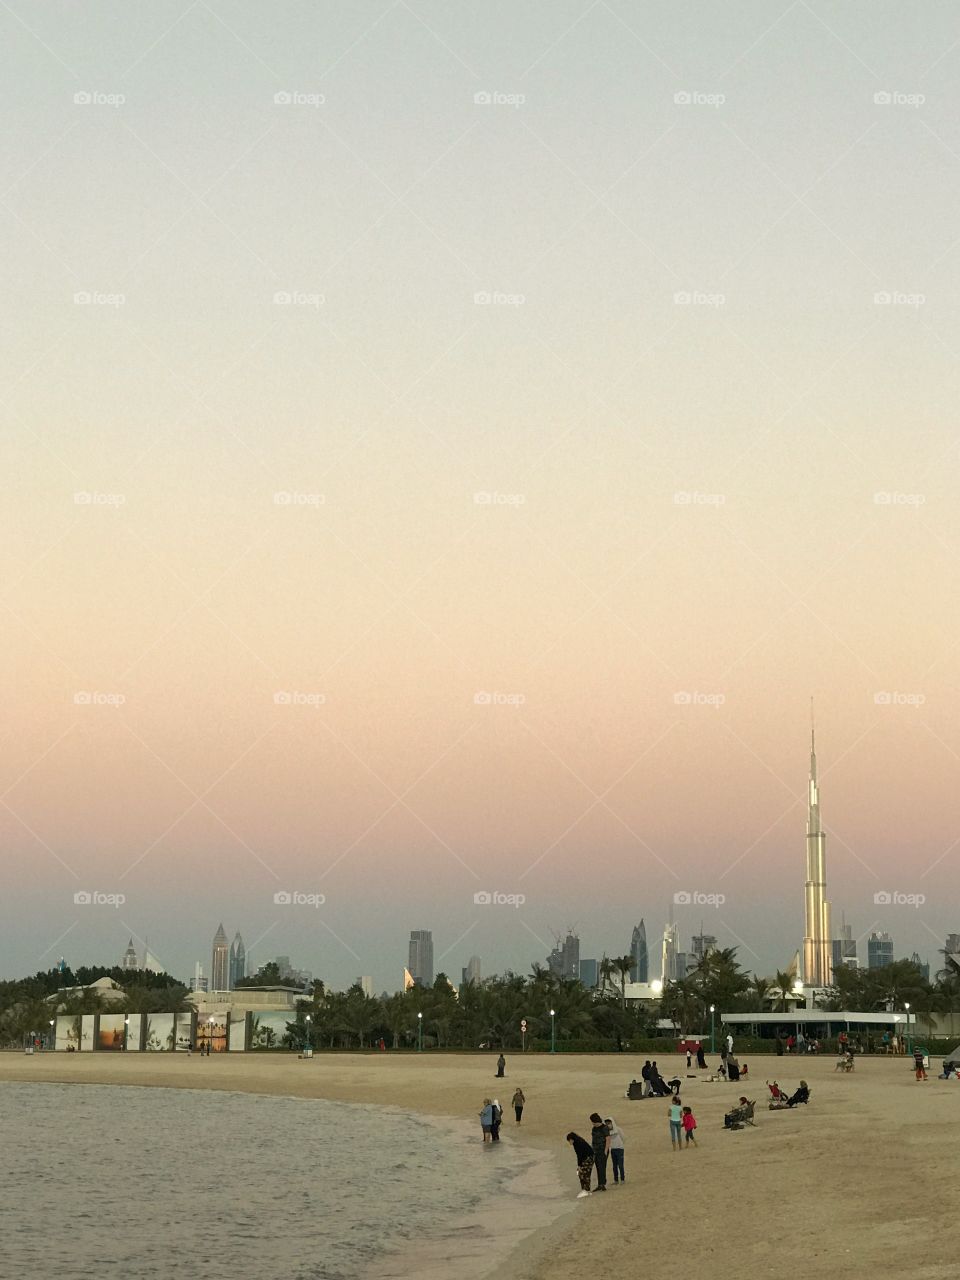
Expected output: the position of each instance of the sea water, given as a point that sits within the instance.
(100, 1180)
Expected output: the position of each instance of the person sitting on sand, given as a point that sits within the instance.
(486, 1120)
(584, 1153)
(734, 1119)
(801, 1095)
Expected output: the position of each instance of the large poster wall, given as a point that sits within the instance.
(237, 1032)
(68, 1032)
(110, 1031)
(159, 1032)
(88, 1031)
(135, 1032)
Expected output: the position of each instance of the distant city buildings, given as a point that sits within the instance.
(472, 971)
(845, 948)
(952, 946)
(238, 960)
(564, 959)
(288, 974)
(220, 965)
(420, 961)
(638, 949)
(879, 950)
(130, 960)
(198, 982)
(590, 973)
(924, 968)
(701, 944)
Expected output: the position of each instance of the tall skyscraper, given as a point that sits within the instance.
(199, 982)
(365, 983)
(420, 962)
(924, 968)
(589, 973)
(238, 960)
(130, 960)
(638, 949)
(952, 945)
(472, 971)
(564, 959)
(817, 940)
(668, 952)
(845, 948)
(220, 966)
(701, 944)
(879, 950)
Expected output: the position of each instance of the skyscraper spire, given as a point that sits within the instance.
(817, 945)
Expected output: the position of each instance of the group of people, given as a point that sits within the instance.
(606, 1143)
(491, 1114)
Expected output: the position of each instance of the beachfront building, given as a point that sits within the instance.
(817, 966)
(879, 950)
(220, 966)
(640, 970)
(420, 957)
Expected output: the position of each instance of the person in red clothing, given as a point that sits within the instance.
(689, 1124)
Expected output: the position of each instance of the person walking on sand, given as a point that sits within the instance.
(584, 1153)
(496, 1120)
(600, 1138)
(676, 1121)
(689, 1124)
(486, 1120)
(518, 1101)
(616, 1150)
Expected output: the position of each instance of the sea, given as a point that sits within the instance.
(111, 1181)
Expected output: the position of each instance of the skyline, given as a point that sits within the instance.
(453, 473)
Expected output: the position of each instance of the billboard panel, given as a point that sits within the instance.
(237, 1032)
(159, 1032)
(88, 1030)
(68, 1032)
(135, 1023)
(110, 1031)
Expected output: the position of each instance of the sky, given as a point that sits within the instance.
(444, 449)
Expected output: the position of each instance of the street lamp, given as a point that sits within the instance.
(126, 1032)
(553, 1031)
(712, 1010)
(210, 1038)
(420, 1032)
(52, 1023)
(906, 1005)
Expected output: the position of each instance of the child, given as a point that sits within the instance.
(676, 1121)
(689, 1124)
(918, 1056)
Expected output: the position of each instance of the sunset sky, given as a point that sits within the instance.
(363, 358)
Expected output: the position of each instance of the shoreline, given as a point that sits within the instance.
(860, 1181)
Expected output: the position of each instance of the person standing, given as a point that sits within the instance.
(600, 1141)
(701, 1058)
(616, 1151)
(919, 1064)
(518, 1101)
(486, 1120)
(496, 1119)
(584, 1153)
(645, 1077)
(501, 1066)
(676, 1121)
(689, 1124)
(729, 1043)
(689, 1058)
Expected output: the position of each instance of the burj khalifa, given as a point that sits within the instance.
(817, 946)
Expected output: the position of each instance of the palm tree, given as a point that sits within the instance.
(623, 965)
(783, 990)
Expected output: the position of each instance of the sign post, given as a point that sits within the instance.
(523, 1034)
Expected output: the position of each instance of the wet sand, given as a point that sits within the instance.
(863, 1180)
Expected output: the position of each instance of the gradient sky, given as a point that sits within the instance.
(685, 492)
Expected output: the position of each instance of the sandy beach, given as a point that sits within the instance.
(860, 1181)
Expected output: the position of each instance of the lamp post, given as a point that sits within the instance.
(553, 1031)
(309, 1043)
(906, 1005)
(126, 1032)
(712, 1037)
(420, 1032)
(52, 1034)
(210, 1037)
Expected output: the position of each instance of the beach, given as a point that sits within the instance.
(860, 1181)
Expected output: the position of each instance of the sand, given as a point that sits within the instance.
(863, 1180)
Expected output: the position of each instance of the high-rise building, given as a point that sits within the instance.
(130, 960)
(238, 960)
(879, 950)
(420, 962)
(198, 982)
(924, 968)
(365, 984)
(952, 946)
(701, 944)
(564, 959)
(844, 948)
(590, 973)
(220, 967)
(817, 939)
(683, 965)
(668, 953)
(638, 949)
(472, 971)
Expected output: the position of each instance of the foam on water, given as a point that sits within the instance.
(99, 1180)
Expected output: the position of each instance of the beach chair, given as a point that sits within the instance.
(740, 1117)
